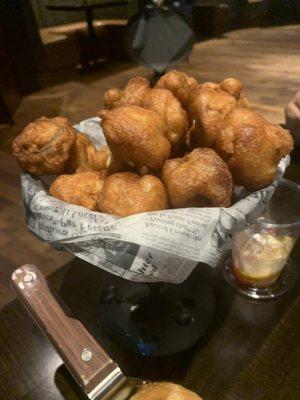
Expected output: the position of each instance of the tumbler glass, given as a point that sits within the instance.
(260, 267)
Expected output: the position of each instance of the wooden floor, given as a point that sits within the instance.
(265, 59)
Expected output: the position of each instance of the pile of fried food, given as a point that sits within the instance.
(179, 144)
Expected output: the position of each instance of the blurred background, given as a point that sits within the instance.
(59, 57)
(46, 42)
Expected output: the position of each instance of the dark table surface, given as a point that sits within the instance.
(250, 352)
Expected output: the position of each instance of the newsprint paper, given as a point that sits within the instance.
(160, 246)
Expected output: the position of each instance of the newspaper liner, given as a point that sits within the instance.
(161, 246)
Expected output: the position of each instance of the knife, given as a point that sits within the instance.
(96, 373)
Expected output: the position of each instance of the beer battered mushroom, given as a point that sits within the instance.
(137, 137)
(126, 193)
(44, 145)
(252, 147)
(199, 179)
(82, 189)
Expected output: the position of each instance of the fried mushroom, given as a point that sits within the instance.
(127, 193)
(82, 189)
(137, 137)
(252, 147)
(208, 107)
(43, 146)
(199, 179)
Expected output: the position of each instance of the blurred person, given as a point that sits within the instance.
(292, 117)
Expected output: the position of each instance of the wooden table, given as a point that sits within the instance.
(250, 352)
(88, 7)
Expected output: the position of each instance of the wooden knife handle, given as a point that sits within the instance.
(84, 357)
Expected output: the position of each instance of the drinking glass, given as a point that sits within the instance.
(260, 267)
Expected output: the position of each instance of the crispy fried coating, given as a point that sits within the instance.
(133, 94)
(138, 92)
(43, 146)
(112, 97)
(211, 85)
(252, 147)
(169, 108)
(199, 179)
(232, 86)
(180, 84)
(82, 188)
(136, 136)
(164, 391)
(126, 193)
(85, 156)
(208, 107)
(192, 82)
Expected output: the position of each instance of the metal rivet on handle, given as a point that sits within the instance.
(86, 355)
(28, 277)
